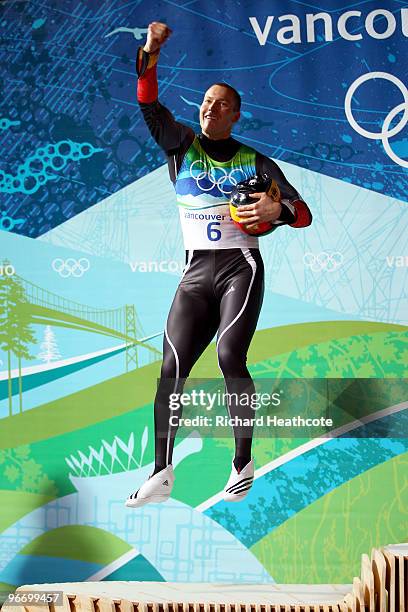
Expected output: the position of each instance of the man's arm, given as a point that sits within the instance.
(169, 134)
(290, 209)
(295, 211)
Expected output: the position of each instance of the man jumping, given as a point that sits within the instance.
(222, 286)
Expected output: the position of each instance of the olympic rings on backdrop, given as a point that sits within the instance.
(71, 266)
(323, 261)
(386, 133)
(225, 177)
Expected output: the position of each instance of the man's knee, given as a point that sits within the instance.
(169, 367)
(231, 361)
(173, 369)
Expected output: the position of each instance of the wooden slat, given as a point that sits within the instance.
(104, 604)
(350, 602)
(125, 606)
(379, 572)
(65, 605)
(84, 603)
(406, 579)
(390, 578)
(358, 594)
(367, 580)
(401, 581)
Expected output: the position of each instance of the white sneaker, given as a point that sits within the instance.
(239, 484)
(156, 489)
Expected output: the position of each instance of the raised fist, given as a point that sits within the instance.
(157, 34)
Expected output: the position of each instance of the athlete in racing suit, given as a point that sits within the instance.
(222, 286)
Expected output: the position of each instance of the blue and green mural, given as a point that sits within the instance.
(91, 254)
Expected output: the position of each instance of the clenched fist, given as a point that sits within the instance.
(157, 34)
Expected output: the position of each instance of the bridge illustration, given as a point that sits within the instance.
(43, 307)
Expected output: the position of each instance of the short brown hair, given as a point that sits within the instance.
(237, 97)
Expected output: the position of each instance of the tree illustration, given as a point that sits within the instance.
(49, 349)
(24, 473)
(15, 328)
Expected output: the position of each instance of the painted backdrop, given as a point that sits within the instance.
(91, 254)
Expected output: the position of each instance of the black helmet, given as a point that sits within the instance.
(240, 196)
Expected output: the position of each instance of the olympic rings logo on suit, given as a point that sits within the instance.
(226, 177)
(323, 261)
(386, 133)
(71, 266)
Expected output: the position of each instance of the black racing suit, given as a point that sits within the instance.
(221, 290)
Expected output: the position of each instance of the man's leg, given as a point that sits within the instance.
(239, 311)
(192, 322)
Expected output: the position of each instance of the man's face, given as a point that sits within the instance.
(218, 113)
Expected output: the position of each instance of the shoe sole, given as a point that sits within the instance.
(152, 499)
(234, 499)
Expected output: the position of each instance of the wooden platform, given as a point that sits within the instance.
(381, 587)
(196, 597)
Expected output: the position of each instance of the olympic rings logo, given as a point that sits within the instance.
(323, 261)
(224, 183)
(71, 266)
(386, 133)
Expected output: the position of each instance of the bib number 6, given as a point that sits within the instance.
(213, 233)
